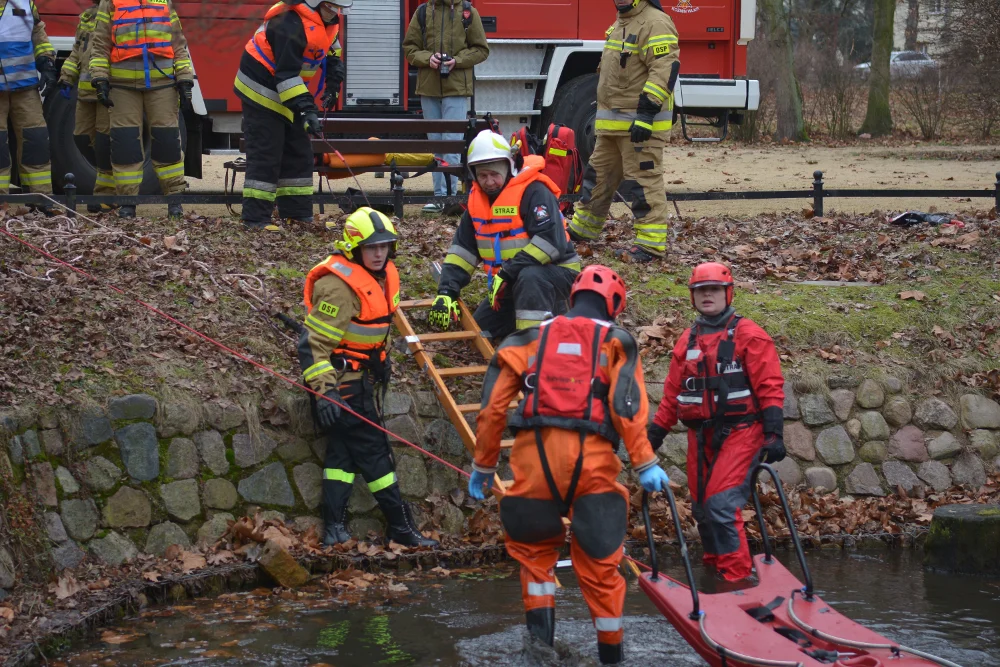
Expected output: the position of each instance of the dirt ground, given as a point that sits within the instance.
(730, 166)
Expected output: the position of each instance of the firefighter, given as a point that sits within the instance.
(514, 227)
(583, 391)
(635, 103)
(92, 129)
(350, 297)
(725, 385)
(140, 65)
(27, 65)
(297, 40)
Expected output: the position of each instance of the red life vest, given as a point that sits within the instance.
(319, 38)
(141, 28)
(710, 368)
(366, 335)
(567, 382)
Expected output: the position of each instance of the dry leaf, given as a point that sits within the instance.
(915, 295)
(151, 575)
(7, 614)
(221, 557)
(99, 585)
(67, 586)
(173, 551)
(112, 637)
(192, 561)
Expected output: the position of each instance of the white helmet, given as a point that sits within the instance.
(341, 4)
(488, 146)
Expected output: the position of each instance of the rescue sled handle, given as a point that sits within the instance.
(768, 552)
(695, 610)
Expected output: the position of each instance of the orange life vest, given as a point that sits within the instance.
(140, 29)
(319, 39)
(365, 338)
(500, 232)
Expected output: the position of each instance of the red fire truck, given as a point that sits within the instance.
(542, 66)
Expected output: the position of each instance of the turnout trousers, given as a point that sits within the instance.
(23, 110)
(598, 514)
(538, 294)
(357, 447)
(92, 134)
(279, 168)
(616, 159)
(160, 107)
(719, 490)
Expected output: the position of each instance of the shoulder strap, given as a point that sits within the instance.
(422, 20)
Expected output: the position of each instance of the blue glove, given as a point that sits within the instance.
(477, 482)
(65, 89)
(654, 479)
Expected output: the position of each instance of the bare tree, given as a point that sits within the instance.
(973, 59)
(912, 25)
(774, 16)
(878, 119)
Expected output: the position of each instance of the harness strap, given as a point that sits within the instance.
(720, 431)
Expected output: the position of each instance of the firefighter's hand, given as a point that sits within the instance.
(330, 98)
(642, 127)
(773, 449)
(48, 75)
(328, 412)
(443, 312)
(185, 90)
(311, 124)
(498, 291)
(66, 89)
(654, 479)
(477, 482)
(335, 73)
(656, 434)
(103, 89)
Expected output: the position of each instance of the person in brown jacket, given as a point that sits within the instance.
(140, 64)
(445, 40)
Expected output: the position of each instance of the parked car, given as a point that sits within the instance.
(903, 65)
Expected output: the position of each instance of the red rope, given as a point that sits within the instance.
(231, 351)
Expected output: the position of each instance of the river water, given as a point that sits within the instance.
(478, 621)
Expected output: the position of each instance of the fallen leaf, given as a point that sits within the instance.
(67, 586)
(99, 585)
(192, 561)
(915, 295)
(7, 614)
(151, 575)
(221, 557)
(112, 637)
(173, 551)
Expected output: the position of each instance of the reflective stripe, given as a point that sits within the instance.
(294, 182)
(558, 151)
(338, 475)
(298, 191)
(253, 193)
(293, 92)
(103, 16)
(259, 185)
(44, 48)
(71, 67)
(543, 589)
(118, 71)
(689, 400)
(459, 262)
(289, 83)
(323, 329)
(584, 213)
(622, 120)
(316, 370)
(382, 482)
(263, 96)
(36, 178)
(618, 45)
(655, 91)
(545, 247)
(361, 333)
(532, 315)
(608, 624)
(105, 179)
(342, 268)
(537, 253)
(98, 62)
(170, 170)
(5, 181)
(737, 394)
(463, 254)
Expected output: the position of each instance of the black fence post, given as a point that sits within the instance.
(69, 189)
(818, 193)
(996, 194)
(396, 181)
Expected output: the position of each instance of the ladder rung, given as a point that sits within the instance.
(473, 407)
(461, 370)
(416, 303)
(447, 335)
(506, 444)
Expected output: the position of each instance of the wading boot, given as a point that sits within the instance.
(635, 255)
(175, 211)
(610, 654)
(335, 530)
(542, 624)
(126, 211)
(402, 528)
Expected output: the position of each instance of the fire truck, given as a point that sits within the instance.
(542, 68)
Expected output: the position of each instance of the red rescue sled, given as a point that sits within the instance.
(778, 623)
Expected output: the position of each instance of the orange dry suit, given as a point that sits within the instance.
(583, 390)
(725, 385)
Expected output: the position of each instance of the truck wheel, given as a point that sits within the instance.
(575, 106)
(60, 115)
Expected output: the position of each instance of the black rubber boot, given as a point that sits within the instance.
(610, 654)
(636, 255)
(403, 530)
(335, 529)
(175, 211)
(126, 211)
(542, 624)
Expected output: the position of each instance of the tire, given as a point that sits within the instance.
(60, 116)
(575, 106)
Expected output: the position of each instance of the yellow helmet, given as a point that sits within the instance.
(367, 226)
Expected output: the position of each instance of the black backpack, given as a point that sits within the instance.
(422, 18)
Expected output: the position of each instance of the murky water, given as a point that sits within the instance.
(479, 622)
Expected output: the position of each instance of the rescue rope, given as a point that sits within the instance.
(223, 347)
(740, 657)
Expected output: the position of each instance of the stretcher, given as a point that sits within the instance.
(778, 623)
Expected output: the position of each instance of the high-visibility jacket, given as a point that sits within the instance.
(499, 227)
(277, 87)
(22, 41)
(364, 340)
(640, 49)
(76, 68)
(139, 44)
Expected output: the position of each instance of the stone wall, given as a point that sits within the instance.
(868, 437)
(142, 473)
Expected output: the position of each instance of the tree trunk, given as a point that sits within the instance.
(912, 25)
(789, 97)
(878, 119)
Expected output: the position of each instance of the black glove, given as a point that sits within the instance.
(656, 434)
(642, 127)
(335, 75)
(328, 413)
(311, 124)
(48, 75)
(186, 89)
(103, 89)
(773, 449)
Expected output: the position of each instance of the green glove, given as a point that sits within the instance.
(444, 311)
(498, 291)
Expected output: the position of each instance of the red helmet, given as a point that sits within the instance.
(712, 273)
(605, 282)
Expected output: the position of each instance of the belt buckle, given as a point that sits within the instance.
(689, 384)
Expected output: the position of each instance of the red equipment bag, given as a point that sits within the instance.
(562, 159)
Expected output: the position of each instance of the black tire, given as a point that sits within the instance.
(575, 106)
(60, 116)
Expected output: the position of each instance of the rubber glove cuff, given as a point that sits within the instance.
(476, 484)
(654, 479)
